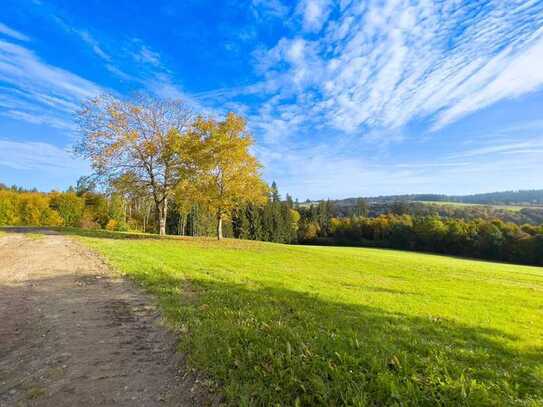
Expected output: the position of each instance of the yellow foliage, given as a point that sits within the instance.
(112, 225)
(311, 231)
(220, 171)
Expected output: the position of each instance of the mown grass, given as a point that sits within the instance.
(295, 325)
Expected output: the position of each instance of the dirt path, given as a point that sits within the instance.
(71, 334)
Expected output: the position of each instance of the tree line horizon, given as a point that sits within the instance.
(159, 167)
(160, 148)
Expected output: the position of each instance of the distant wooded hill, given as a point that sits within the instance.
(527, 198)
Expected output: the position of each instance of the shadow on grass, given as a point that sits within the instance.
(271, 345)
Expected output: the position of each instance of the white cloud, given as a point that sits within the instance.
(4, 29)
(521, 74)
(534, 144)
(145, 55)
(121, 74)
(36, 117)
(314, 13)
(21, 68)
(37, 92)
(274, 8)
(38, 156)
(381, 64)
(95, 46)
(331, 171)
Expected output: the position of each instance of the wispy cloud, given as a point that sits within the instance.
(37, 92)
(10, 32)
(314, 13)
(383, 64)
(274, 8)
(523, 147)
(38, 156)
(95, 46)
(145, 55)
(36, 117)
(324, 171)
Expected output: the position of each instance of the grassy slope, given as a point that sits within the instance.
(512, 208)
(331, 325)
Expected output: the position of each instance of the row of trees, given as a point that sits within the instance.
(27, 208)
(488, 239)
(276, 220)
(158, 149)
(71, 208)
(157, 167)
(84, 206)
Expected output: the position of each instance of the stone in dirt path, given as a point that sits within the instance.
(72, 334)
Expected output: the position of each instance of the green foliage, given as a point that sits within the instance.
(69, 206)
(494, 240)
(273, 222)
(278, 221)
(299, 325)
(403, 205)
(116, 208)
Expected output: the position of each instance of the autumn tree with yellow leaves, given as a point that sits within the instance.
(219, 170)
(136, 142)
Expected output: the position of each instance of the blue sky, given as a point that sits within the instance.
(344, 98)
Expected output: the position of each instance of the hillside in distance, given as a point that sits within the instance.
(520, 207)
(516, 198)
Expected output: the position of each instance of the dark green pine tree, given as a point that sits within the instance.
(285, 230)
(275, 197)
(237, 214)
(278, 227)
(244, 224)
(254, 218)
(267, 222)
(314, 214)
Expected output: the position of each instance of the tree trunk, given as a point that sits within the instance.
(146, 216)
(162, 213)
(219, 226)
(181, 230)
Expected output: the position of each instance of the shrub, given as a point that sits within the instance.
(69, 206)
(112, 225)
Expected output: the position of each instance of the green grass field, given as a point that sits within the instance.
(295, 325)
(512, 208)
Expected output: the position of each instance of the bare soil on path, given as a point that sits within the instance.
(72, 333)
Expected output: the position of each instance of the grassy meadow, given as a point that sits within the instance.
(286, 325)
(512, 208)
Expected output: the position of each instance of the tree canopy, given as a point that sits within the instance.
(136, 142)
(219, 170)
